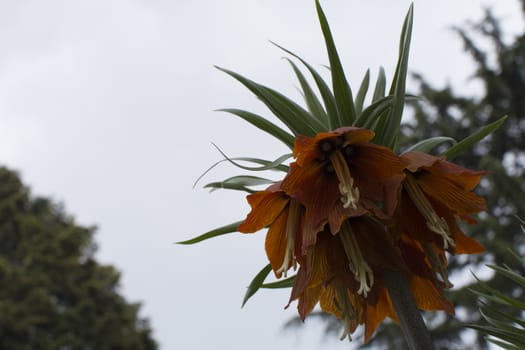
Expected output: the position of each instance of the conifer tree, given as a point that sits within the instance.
(53, 293)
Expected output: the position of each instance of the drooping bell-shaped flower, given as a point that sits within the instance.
(435, 193)
(340, 174)
(283, 215)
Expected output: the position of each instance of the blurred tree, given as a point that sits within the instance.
(53, 294)
(501, 70)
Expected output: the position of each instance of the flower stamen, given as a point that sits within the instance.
(292, 224)
(434, 222)
(357, 264)
(348, 312)
(349, 193)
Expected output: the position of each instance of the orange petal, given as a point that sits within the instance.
(276, 242)
(375, 314)
(450, 195)
(327, 301)
(465, 178)
(356, 135)
(419, 160)
(308, 300)
(428, 297)
(266, 206)
(305, 148)
(467, 245)
(413, 223)
(317, 190)
(373, 168)
(462, 177)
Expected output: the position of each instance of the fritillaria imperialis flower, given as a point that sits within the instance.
(435, 193)
(349, 211)
(338, 175)
(367, 231)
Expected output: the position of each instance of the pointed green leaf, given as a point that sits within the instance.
(296, 118)
(213, 233)
(263, 124)
(314, 105)
(256, 283)
(239, 183)
(342, 92)
(512, 275)
(389, 131)
(429, 144)
(370, 113)
(502, 344)
(286, 283)
(469, 141)
(505, 315)
(380, 89)
(494, 295)
(275, 165)
(267, 165)
(326, 93)
(502, 334)
(361, 93)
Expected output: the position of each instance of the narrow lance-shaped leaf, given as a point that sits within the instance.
(314, 105)
(268, 165)
(469, 141)
(213, 233)
(263, 124)
(342, 92)
(326, 93)
(373, 112)
(507, 272)
(265, 164)
(497, 311)
(502, 334)
(380, 88)
(390, 129)
(256, 283)
(361, 93)
(239, 183)
(298, 120)
(286, 283)
(429, 144)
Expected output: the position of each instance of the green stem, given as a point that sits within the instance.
(410, 320)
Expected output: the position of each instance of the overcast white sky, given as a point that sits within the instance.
(107, 106)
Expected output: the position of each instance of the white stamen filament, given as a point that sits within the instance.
(349, 193)
(434, 223)
(292, 224)
(288, 256)
(357, 264)
(347, 322)
(437, 263)
(348, 312)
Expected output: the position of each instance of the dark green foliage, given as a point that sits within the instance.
(53, 294)
(501, 70)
